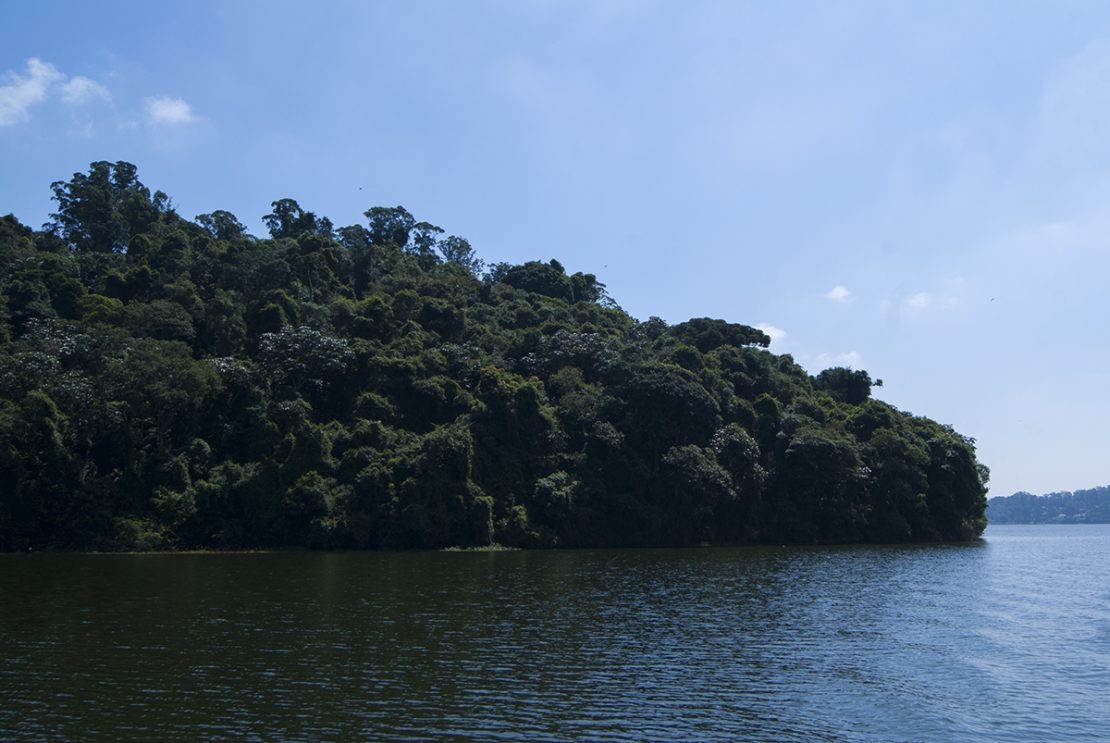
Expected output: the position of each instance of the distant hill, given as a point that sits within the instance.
(1081, 507)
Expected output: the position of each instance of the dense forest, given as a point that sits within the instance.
(172, 384)
(1081, 507)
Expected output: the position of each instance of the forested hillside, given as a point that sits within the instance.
(167, 383)
(1081, 507)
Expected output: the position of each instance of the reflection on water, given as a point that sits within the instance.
(1006, 639)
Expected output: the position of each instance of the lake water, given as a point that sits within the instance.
(1005, 639)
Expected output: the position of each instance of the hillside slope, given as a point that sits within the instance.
(167, 383)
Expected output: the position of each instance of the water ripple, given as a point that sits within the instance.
(1008, 640)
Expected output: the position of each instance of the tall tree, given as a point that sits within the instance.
(101, 210)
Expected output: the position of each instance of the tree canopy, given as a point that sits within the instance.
(171, 383)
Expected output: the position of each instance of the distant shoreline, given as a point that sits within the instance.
(1080, 507)
(1046, 523)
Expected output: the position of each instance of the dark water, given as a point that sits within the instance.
(1008, 639)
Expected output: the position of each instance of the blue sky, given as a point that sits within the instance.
(917, 189)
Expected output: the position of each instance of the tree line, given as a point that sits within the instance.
(1081, 507)
(168, 383)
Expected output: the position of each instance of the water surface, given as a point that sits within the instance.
(1006, 639)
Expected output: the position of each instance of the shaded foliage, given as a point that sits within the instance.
(171, 384)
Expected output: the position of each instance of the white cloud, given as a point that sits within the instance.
(164, 109)
(850, 359)
(919, 301)
(43, 80)
(21, 93)
(839, 294)
(775, 334)
(80, 90)
(923, 301)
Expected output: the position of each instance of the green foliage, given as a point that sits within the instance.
(101, 211)
(548, 279)
(846, 385)
(167, 384)
(288, 219)
(707, 334)
(222, 225)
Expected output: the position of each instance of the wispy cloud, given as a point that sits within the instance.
(21, 92)
(922, 301)
(42, 81)
(839, 294)
(846, 358)
(164, 109)
(81, 90)
(919, 301)
(774, 333)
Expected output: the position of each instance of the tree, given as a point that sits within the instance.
(288, 219)
(223, 225)
(457, 250)
(390, 226)
(665, 406)
(821, 490)
(99, 212)
(304, 358)
(38, 474)
(698, 486)
(586, 288)
(706, 334)
(548, 279)
(422, 243)
(846, 385)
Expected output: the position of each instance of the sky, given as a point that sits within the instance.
(917, 189)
